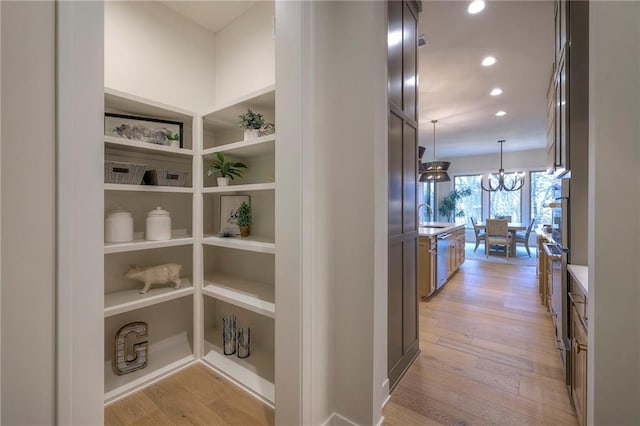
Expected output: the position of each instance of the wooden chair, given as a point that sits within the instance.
(498, 235)
(523, 237)
(480, 234)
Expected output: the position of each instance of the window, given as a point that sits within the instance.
(470, 206)
(541, 194)
(506, 203)
(429, 197)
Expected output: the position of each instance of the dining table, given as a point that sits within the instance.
(513, 227)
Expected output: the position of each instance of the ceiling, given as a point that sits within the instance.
(454, 87)
(212, 15)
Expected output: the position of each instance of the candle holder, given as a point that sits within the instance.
(229, 334)
(244, 342)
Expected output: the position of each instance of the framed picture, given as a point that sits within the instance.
(229, 213)
(150, 130)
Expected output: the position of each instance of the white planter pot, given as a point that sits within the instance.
(251, 133)
(223, 181)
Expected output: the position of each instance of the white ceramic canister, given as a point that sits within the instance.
(158, 225)
(118, 226)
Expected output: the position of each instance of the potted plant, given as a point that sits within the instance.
(447, 206)
(228, 169)
(244, 219)
(173, 139)
(251, 122)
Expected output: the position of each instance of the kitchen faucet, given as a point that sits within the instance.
(429, 209)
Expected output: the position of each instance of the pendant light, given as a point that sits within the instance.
(435, 171)
(516, 184)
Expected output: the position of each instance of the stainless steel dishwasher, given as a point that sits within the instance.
(442, 256)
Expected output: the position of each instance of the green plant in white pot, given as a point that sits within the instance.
(251, 122)
(244, 219)
(227, 169)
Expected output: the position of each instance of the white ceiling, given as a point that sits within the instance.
(454, 87)
(212, 15)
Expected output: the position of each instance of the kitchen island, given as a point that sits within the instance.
(441, 252)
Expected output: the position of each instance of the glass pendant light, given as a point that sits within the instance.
(435, 171)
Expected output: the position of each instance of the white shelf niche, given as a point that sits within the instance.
(264, 145)
(129, 300)
(270, 186)
(128, 145)
(243, 372)
(116, 101)
(146, 188)
(253, 296)
(220, 124)
(251, 243)
(146, 245)
(165, 357)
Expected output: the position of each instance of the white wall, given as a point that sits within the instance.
(155, 53)
(339, 103)
(80, 199)
(245, 54)
(614, 209)
(28, 213)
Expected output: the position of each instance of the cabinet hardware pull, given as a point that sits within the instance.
(580, 347)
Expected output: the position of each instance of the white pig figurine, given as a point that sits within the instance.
(161, 274)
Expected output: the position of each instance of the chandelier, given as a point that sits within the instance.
(500, 185)
(434, 171)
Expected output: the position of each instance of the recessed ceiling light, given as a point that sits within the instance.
(501, 113)
(488, 61)
(475, 7)
(496, 92)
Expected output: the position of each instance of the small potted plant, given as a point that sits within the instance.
(173, 139)
(244, 219)
(251, 122)
(228, 169)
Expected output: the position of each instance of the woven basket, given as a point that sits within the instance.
(123, 173)
(161, 177)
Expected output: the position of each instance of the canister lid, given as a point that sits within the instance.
(158, 211)
(119, 212)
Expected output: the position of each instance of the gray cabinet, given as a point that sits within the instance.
(402, 345)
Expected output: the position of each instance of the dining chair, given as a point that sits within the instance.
(498, 235)
(480, 234)
(523, 237)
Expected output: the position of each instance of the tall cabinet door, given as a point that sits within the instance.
(403, 147)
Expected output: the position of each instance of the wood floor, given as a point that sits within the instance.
(193, 396)
(487, 355)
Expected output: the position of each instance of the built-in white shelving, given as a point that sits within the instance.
(165, 356)
(168, 311)
(248, 373)
(145, 245)
(251, 243)
(128, 145)
(254, 147)
(146, 188)
(270, 186)
(128, 300)
(251, 295)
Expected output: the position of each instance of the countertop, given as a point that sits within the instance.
(440, 228)
(581, 275)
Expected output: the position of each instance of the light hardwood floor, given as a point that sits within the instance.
(487, 355)
(193, 396)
